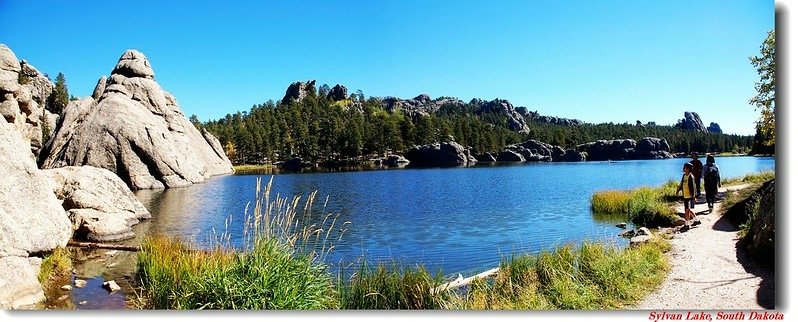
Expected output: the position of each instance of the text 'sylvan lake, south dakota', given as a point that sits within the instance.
(459, 220)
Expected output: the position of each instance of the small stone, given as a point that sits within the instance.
(111, 253)
(80, 283)
(639, 240)
(627, 233)
(62, 297)
(112, 265)
(621, 225)
(643, 231)
(83, 302)
(111, 286)
(66, 287)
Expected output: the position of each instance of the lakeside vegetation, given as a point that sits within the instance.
(644, 206)
(283, 268)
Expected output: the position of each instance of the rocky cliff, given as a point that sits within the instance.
(691, 122)
(136, 130)
(23, 95)
(714, 128)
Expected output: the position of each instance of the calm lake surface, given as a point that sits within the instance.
(459, 220)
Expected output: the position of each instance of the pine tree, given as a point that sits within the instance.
(59, 98)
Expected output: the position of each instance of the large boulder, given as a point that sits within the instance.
(102, 208)
(691, 122)
(297, 91)
(652, 148)
(19, 284)
(510, 156)
(23, 95)
(31, 220)
(136, 130)
(439, 154)
(572, 155)
(486, 157)
(31, 217)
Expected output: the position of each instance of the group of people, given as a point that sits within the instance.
(690, 185)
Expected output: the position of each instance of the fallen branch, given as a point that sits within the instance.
(460, 281)
(131, 248)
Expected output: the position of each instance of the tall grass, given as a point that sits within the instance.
(389, 286)
(645, 206)
(592, 276)
(280, 267)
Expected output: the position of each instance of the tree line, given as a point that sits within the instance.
(318, 129)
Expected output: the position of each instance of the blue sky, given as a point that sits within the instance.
(599, 61)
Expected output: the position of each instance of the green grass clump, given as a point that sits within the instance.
(57, 263)
(270, 276)
(390, 287)
(645, 206)
(280, 267)
(590, 277)
(257, 168)
(753, 210)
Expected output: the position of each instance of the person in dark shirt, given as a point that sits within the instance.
(711, 181)
(697, 167)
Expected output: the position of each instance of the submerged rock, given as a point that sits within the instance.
(136, 130)
(102, 208)
(111, 286)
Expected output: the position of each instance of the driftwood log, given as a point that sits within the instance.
(460, 281)
(130, 248)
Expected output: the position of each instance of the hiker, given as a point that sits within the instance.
(711, 181)
(697, 167)
(687, 190)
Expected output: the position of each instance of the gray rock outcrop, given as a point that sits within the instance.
(510, 156)
(626, 149)
(23, 95)
(297, 91)
(691, 122)
(338, 93)
(393, 160)
(572, 155)
(485, 158)
(515, 121)
(136, 130)
(102, 208)
(439, 154)
(714, 128)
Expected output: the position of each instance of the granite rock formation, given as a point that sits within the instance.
(136, 130)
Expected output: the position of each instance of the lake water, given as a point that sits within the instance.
(454, 219)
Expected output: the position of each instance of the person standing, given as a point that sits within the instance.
(711, 181)
(687, 190)
(697, 168)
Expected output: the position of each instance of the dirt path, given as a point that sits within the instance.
(709, 272)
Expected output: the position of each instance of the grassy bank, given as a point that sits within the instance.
(590, 277)
(282, 266)
(267, 168)
(753, 211)
(645, 206)
(754, 178)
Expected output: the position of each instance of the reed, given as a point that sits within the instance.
(390, 286)
(279, 267)
(645, 206)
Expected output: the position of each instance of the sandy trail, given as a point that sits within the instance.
(709, 272)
